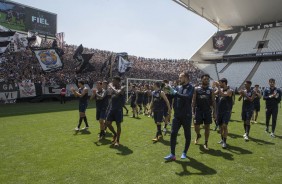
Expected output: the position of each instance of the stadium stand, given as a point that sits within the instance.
(267, 70)
(237, 72)
(275, 40)
(209, 68)
(246, 42)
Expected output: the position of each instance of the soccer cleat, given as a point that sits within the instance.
(101, 136)
(245, 135)
(224, 145)
(117, 144)
(160, 136)
(246, 138)
(164, 130)
(170, 157)
(197, 139)
(220, 142)
(206, 147)
(114, 139)
(272, 134)
(266, 130)
(183, 156)
(155, 139)
(76, 129)
(85, 128)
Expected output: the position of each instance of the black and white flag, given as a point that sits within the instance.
(82, 60)
(123, 63)
(5, 39)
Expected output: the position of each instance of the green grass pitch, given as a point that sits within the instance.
(38, 145)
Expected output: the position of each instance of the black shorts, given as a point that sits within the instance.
(115, 115)
(82, 107)
(100, 114)
(203, 117)
(132, 105)
(257, 107)
(158, 116)
(223, 118)
(247, 115)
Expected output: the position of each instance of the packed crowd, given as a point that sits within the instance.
(20, 66)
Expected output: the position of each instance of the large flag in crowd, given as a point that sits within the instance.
(5, 40)
(123, 63)
(34, 39)
(48, 59)
(108, 66)
(82, 60)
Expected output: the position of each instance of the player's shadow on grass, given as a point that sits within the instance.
(123, 150)
(202, 168)
(163, 141)
(102, 142)
(237, 150)
(82, 132)
(258, 141)
(218, 153)
(235, 136)
(235, 120)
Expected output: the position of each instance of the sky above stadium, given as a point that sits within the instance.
(147, 28)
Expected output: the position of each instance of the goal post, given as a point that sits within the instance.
(128, 80)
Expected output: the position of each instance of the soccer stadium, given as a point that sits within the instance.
(47, 86)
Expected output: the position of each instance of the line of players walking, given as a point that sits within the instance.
(200, 104)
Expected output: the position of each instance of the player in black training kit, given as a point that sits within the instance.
(83, 103)
(133, 101)
(115, 109)
(223, 109)
(159, 100)
(169, 97)
(256, 103)
(204, 106)
(101, 97)
(247, 107)
(272, 97)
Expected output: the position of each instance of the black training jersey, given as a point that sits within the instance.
(203, 98)
(224, 103)
(133, 96)
(84, 98)
(158, 101)
(117, 101)
(248, 105)
(274, 101)
(140, 95)
(256, 100)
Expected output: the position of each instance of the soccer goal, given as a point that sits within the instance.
(136, 80)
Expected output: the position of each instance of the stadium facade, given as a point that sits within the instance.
(248, 43)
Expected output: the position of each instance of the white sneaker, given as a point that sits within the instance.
(220, 142)
(76, 129)
(246, 138)
(85, 128)
(164, 130)
(224, 145)
(272, 134)
(245, 135)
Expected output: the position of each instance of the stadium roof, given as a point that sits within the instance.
(226, 14)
